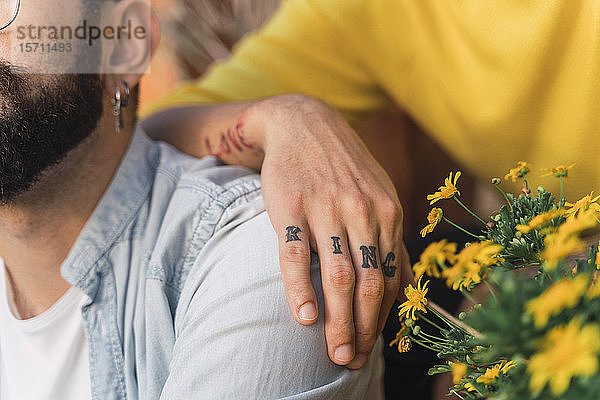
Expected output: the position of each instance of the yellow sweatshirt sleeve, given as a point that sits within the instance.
(307, 47)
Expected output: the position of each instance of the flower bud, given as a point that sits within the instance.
(405, 344)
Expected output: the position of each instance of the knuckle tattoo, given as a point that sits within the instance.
(337, 249)
(388, 269)
(292, 234)
(369, 257)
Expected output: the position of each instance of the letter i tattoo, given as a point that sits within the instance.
(336, 245)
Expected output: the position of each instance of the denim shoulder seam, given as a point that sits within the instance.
(230, 196)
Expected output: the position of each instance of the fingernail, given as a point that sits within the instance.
(308, 311)
(344, 353)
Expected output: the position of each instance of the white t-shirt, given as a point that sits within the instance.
(45, 357)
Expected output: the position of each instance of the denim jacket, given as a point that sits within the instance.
(179, 261)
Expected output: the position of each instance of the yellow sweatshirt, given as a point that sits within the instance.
(493, 81)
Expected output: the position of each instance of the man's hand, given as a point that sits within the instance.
(323, 191)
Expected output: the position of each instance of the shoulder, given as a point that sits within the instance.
(211, 240)
(234, 329)
(189, 202)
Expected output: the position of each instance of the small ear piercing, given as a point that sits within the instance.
(120, 100)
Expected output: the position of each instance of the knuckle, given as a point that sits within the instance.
(327, 202)
(392, 285)
(391, 211)
(294, 203)
(341, 278)
(294, 254)
(362, 206)
(371, 288)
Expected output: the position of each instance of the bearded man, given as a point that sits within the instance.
(130, 270)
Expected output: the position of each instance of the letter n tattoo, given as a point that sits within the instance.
(292, 234)
(336, 245)
(389, 270)
(369, 255)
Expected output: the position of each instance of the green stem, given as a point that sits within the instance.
(527, 183)
(440, 316)
(431, 337)
(469, 211)
(432, 323)
(462, 229)
(440, 346)
(424, 345)
(505, 196)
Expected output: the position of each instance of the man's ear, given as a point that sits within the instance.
(132, 36)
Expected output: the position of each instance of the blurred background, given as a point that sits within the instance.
(196, 33)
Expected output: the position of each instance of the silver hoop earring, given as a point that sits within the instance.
(120, 100)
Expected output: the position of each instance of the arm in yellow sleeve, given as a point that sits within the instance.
(309, 47)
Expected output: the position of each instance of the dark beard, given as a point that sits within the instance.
(42, 118)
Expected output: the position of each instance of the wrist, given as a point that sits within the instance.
(272, 120)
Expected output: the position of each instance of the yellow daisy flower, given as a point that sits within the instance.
(461, 275)
(437, 253)
(583, 204)
(434, 217)
(447, 191)
(560, 295)
(459, 370)
(488, 254)
(566, 351)
(558, 171)
(453, 276)
(469, 262)
(416, 300)
(540, 220)
(598, 258)
(519, 171)
(490, 375)
(582, 221)
(558, 247)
